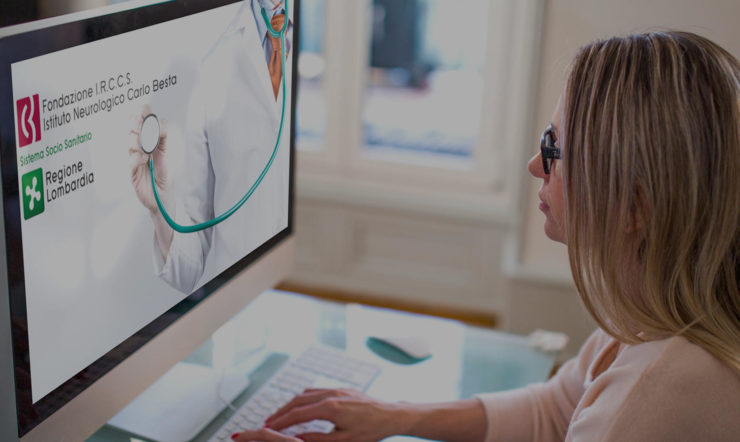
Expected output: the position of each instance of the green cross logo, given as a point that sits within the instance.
(32, 187)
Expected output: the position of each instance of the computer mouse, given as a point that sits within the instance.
(400, 349)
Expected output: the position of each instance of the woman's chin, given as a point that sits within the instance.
(554, 232)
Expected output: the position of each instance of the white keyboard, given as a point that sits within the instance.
(316, 367)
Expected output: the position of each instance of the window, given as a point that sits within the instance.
(425, 82)
(417, 104)
(311, 105)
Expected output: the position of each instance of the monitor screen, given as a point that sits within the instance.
(193, 96)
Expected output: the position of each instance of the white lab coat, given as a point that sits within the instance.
(232, 128)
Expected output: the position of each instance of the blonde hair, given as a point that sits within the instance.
(651, 135)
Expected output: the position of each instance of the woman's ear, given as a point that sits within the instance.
(638, 213)
(636, 221)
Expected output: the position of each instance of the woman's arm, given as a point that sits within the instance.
(537, 412)
(463, 420)
(358, 417)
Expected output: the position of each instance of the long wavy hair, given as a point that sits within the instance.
(651, 136)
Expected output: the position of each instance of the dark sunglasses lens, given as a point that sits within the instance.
(546, 144)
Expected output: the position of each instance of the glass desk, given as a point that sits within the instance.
(465, 360)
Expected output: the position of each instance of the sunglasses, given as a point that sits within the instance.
(548, 150)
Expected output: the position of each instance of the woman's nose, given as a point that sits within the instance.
(535, 166)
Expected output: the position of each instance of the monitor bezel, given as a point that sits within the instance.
(34, 43)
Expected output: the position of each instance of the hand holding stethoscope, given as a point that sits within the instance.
(151, 140)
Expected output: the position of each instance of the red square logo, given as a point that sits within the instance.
(29, 120)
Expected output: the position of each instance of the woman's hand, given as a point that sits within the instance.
(356, 416)
(262, 435)
(142, 181)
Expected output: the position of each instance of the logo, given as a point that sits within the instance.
(29, 120)
(33, 190)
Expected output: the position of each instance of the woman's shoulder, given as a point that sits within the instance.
(666, 389)
(675, 357)
(677, 360)
(677, 388)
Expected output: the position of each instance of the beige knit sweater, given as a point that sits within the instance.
(668, 390)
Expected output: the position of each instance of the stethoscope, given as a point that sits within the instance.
(150, 133)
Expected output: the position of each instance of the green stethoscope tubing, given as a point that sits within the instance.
(204, 225)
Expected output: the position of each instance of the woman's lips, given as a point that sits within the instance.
(543, 204)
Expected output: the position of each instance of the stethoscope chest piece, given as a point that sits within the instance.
(149, 135)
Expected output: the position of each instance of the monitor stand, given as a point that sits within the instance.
(182, 402)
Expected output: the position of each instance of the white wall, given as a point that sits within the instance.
(504, 265)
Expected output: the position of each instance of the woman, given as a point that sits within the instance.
(640, 180)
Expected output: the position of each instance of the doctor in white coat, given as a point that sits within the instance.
(232, 127)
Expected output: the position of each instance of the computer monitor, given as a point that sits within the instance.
(101, 294)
